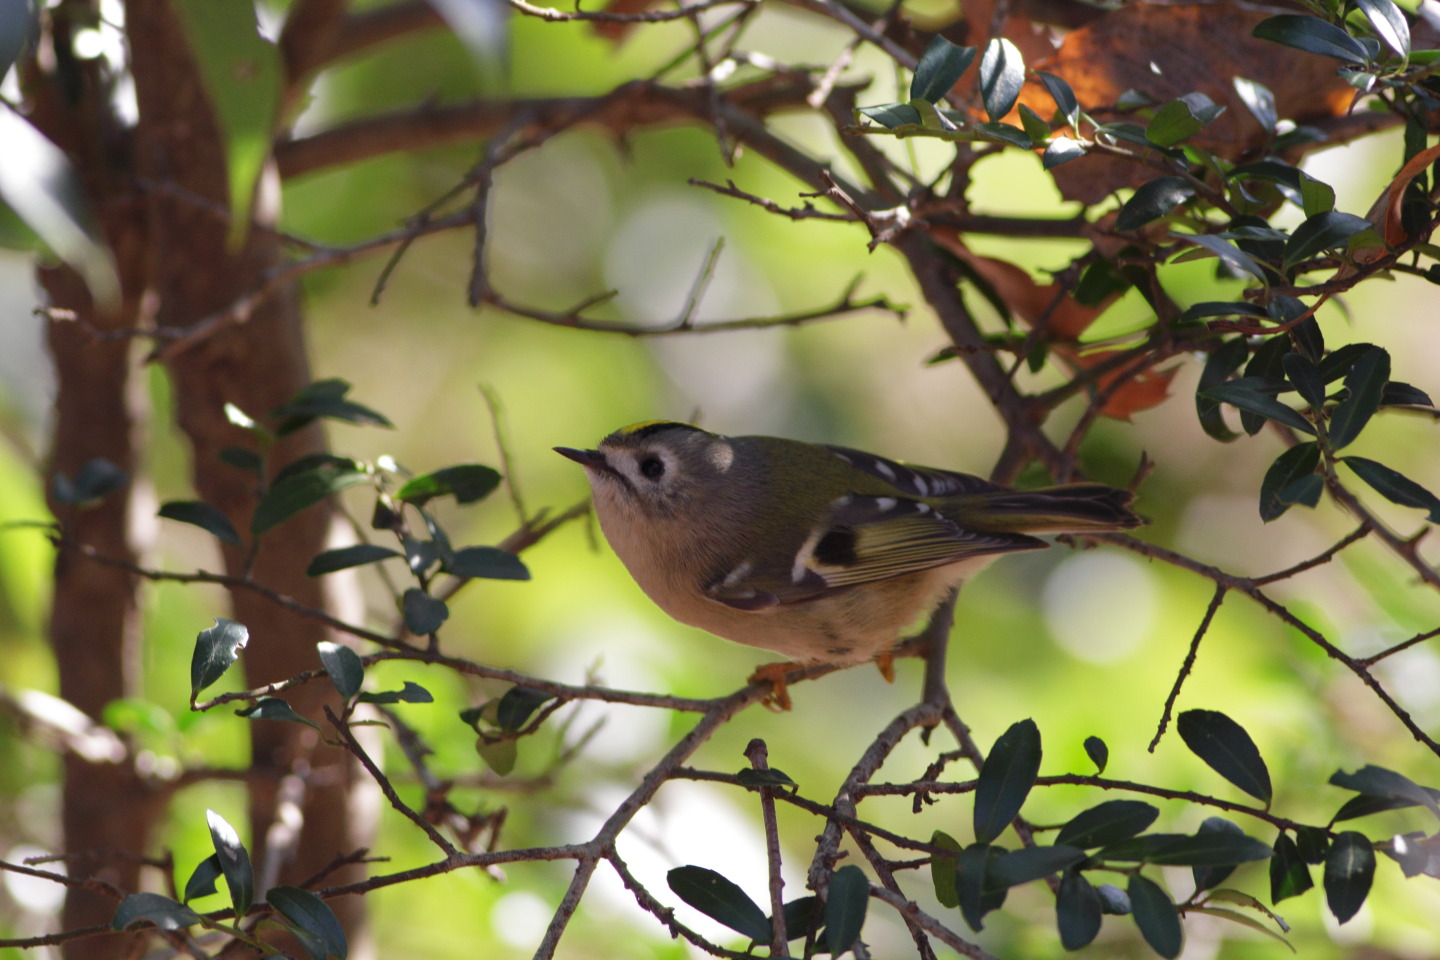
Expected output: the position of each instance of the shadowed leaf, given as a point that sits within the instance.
(1155, 914)
(1006, 778)
(1227, 748)
(1349, 871)
(845, 906)
(215, 649)
(720, 900)
(234, 862)
(311, 914)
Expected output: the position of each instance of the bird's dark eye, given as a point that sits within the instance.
(652, 467)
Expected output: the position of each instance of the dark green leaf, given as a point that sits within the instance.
(1077, 911)
(1061, 150)
(1208, 878)
(1181, 119)
(976, 894)
(242, 458)
(1416, 853)
(1227, 748)
(720, 900)
(215, 649)
(942, 869)
(517, 706)
(423, 613)
(324, 398)
(203, 516)
(1374, 781)
(1230, 254)
(489, 563)
(1098, 753)
(1316, 196)
(1313, 844)
(1106, 823)
(1312, 35)
(467, 482)
(1210, 849)
(1394, 486)
(1349, 871)
(845, 905)
(343, 558)
(1032, 863)
(96, 479)
(1156, 916)
(1323, 231)
(296, 491)
(343, 665)
(1258, 100)
(1063, 96)
(311, 914)
(1222, 362)
(801, 915)
(1247, 398)
(769, 777)
(1005, 779)
(1003, 133)
(234, 862)
(412, 693)
(1399, 394)
(202, 879)
(273, 708)
(420, 555)
(1389, 23)
(1337, 364)
(1035, 127)
(1305, 376)
(1002, 73)
(1289, 876)
(1295, 464)
(1221, 308)
(1366, 385)
(1153, 200)
(165, 913)
(313, 945)
(940, 66)
(892, 115)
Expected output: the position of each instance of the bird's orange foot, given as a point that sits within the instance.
(885, 662)
(775, 674)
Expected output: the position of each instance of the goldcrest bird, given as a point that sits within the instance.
(819, 553)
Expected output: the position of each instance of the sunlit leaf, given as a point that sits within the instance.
(1153, 200)
(1389, 23)
(343, 665)
(273, 708)
(234, 862)
(215, 649)
(940, 67)
(1002, 74)
(294, 491)
(165, 913)
(466, 482)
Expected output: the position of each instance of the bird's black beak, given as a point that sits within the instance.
(589, 459)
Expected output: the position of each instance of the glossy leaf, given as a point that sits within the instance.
(1366, 385)
(215, 649)
(1323, 231)
(1003, 133)
(1289, 874)
(1005, 779)
(1258, 100)
(1155, 914)
(1374, 781)
(1032, 863)
(311, 914)
(165, 913)
(1098, 753)
(1209, 849)
(201, 515)
(1312, 35)
(467, 483)
(1061, 150)
(845, 905)
(1349, 871)
(940, 67)
(273, 708)
(1208, 878)
(343, 558)
(1219, 365)
(1106, 823)
(297, 490)
(1002, 74)
(234, 862)
(489, 563)
(343, 666)
(1063, 96)
(720, 900)
(1227, 748)
(1034, 125)
(1153, 200)
(942, 869)
(1389, 23)
(410, 693)
(1077, 911)
(1246, 398)
(892, 115)
(423, 613)
(1232, 255)
(1277, 489)
(1394, 486)
(1181, 119)
(203, 877)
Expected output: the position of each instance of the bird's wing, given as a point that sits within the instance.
(915, 481)
(863, 539)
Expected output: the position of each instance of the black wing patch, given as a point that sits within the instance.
(915, 481)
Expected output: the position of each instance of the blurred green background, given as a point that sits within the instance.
(1085, 642)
